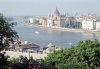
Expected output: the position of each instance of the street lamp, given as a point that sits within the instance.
(29, 58)
(28, 53)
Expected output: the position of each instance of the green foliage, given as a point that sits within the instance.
(6, 31)
(86, 55)
(14, 60)
(37, 22)
(7, 34)
(3, 61)
(24, 63)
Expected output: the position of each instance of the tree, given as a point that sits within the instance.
(3, 61)
(24, 63)
(83, 56)
(7, 34)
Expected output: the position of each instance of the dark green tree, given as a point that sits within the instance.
(86, 55)
(7, 35)
(3, 61)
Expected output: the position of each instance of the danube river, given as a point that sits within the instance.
(59, 38)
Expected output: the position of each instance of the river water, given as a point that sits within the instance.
(58, 38)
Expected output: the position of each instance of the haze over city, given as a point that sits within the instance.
(42, 7)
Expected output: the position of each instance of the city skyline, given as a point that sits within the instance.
(43, 7)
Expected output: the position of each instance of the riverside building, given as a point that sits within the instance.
(57, 21)
(91, 24)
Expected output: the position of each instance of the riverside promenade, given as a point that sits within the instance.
(14, 54)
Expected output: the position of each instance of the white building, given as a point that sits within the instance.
(91, 25)
(31, 20)
(49, 49)
(88, 24)
(98, 26)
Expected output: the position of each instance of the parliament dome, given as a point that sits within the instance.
(56, 13)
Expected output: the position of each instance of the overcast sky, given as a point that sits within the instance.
(42, 7)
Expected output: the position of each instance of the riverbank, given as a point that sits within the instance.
(62, 29)
(59, 29)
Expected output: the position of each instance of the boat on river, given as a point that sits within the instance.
(36, 32)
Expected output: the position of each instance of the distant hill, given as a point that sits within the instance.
(9, 19)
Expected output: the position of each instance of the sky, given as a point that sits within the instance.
(43, 7)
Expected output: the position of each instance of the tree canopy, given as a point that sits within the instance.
(7, 34)
(86, 55)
